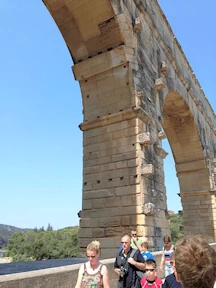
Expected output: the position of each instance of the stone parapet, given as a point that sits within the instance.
(64, 277)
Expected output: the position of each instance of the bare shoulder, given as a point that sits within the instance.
(103, 269)
(81, 269)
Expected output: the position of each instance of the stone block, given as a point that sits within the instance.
(101, 193)
(149, 209)
(164, 68)
(87, 204)
(160, 151)
(113, 202)
(125, 220)
(161, 135)
(137, 25)
(107, 242)
(85, 222)
(126, 201)
(86, 232)
(121, 164)
(109, 222)
(144, 139)
(98, 203)
(98, 233)
(113, 231)
(147, 170)
(159, 84)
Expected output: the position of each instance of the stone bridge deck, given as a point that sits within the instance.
(58, 277)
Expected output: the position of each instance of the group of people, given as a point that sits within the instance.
(191, 263)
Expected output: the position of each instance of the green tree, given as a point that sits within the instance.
(49, 227)
(43, 244)
(176, 227)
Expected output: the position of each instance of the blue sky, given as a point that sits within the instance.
(40, 110)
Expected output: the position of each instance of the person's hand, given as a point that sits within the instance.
(117, 271)
(131, 261)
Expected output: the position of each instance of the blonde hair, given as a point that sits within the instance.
(145, 245)
(94, 246)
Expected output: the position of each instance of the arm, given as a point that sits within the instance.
(137, 244)
(104, 272)
(162, 260)
(139, 263)
(117, 271)
(79, 279)
(116, 268)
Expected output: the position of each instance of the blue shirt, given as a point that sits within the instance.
(147, 255)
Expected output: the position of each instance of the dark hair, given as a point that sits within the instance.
(151, 262)
(195, 262)
(166, 238)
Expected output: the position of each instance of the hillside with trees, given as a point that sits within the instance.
(39, 244)
(6, 231)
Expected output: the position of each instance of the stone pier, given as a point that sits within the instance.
(137, 88)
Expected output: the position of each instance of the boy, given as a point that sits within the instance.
(151, 280)
(145, 253)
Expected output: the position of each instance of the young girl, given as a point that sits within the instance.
(92, 274)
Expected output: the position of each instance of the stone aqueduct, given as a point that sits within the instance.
(137, 88)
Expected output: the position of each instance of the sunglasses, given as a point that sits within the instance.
(149, 270)
(124, 242)
(134, 234)
(90, 256)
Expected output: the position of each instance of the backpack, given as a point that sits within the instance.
(137, 275)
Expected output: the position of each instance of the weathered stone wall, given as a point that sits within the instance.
(136, 83)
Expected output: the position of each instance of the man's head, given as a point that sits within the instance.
(151, 270)
(195, 262)
(134, 233)
(125, 242)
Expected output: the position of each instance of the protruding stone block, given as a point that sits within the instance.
(140, 94)
(147, 170)
(161, 135)
(149, 209)
(159, 84)
(137, 25)
(160, 151)
(145, 139)
(164, 68)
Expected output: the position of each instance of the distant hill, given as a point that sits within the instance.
(6, 231)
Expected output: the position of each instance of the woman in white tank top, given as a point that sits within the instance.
(166, 253)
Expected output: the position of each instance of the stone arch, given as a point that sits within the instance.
(125, 56)
(192, 168)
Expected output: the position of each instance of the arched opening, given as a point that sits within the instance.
(192, 171)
